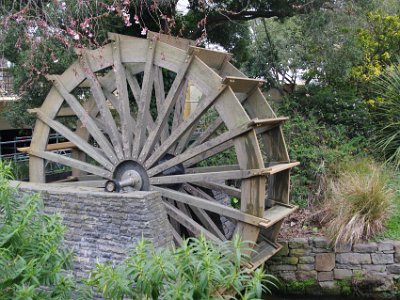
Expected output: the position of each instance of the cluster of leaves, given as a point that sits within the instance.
(198, 269)
(32, 257)
(320, 133)
(387, 115)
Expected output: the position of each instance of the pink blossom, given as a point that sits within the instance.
(144, 31)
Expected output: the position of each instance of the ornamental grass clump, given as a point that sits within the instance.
(358, 204)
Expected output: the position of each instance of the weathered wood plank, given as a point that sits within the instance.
(73, 163)
(144, 103)
(190, 153)
(219, 187)
(75, 139)
(184, 126)
(212, 169)
(189, 223)
(210, 206)
(87, 120)
(162, 117)
(159, 91)
(125, 114)
(202, 156)
(105, 112)
(204, 218)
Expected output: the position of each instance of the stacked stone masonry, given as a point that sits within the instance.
(367, 268)
(104, 226)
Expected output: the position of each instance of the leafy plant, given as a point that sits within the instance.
(32, 257)
(198, 269)
(387, 130)
(359, 202)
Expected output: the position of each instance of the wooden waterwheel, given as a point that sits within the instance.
(124, 110)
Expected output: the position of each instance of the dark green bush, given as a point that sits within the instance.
(319, 140)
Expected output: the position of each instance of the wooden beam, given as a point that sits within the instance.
(51, 147)
(210, 206)
(144, 104)
(105, 112)
(188, 222)
(84, 117)
(163, 115)
(73, 163)
(120, 79)
(75, 140)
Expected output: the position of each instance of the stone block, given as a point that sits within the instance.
(306, 259)
(305, 267)
(365, 247)
(393, 269)
(298, 243)
(284, 250)
(386, 246)
(286, 275)
(342, 247)
(397, 258)
(285, 260)
(283, 268)
(353, 258)
(321, 242)
(325, 262)
(342, 274)
(381, 258)
(299, 252)
(304, 275)
(376, 268)
(325, 276)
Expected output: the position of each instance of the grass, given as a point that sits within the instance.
(359, 202)
(392, 228)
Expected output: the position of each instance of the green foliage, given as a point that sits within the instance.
(387, 124)
(300, 287)
(380, 42)
(198, 269)
(318, 142)
(32, 257)
(358, 203)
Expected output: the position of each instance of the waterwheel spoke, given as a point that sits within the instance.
(71, 162)
(188, 222)
(87, 120)
(203, 216)
(210, 206)
(163, 114)
(206, 134)
(208, 153)
(125, 113)
(135, 89)
(220, 187)
(75, 139)
(160, 99)
(104, 110)
(199, 150)
(143, 116)
(184, 126)
(179, 105)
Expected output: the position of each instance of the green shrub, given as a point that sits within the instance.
(198, 269)
(358, 203)
(387, 129)
(32, 258)
(319, 149)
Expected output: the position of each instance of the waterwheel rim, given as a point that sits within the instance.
(128, 116)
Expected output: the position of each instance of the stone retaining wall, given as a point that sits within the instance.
(103, 226)
(312, 266)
